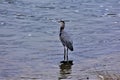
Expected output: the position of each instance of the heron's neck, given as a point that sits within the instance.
(62, 27)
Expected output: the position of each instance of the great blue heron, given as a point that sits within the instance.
(65, 39)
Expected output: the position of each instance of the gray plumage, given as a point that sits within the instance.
(65, 39)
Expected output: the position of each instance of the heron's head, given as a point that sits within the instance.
(61, 22)
(62, 25)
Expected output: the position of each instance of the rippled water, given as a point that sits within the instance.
(29, 43)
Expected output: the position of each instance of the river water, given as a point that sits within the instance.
(30, 48)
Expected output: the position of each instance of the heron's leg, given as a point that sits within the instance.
(64, 53)
(67, 54)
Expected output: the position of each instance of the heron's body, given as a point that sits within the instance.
(66, 40)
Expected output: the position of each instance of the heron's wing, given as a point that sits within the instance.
(66, 40)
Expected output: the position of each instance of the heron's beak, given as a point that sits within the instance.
(58, 21)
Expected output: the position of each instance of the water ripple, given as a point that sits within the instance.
(29, 37)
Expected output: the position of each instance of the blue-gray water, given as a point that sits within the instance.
(30, 48)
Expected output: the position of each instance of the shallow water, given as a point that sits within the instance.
(30, 48)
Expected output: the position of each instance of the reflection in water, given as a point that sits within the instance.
(65, 70)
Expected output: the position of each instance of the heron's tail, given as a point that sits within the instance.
(70, 46)
(71, 49)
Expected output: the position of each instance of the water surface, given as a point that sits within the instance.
(30, 48)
